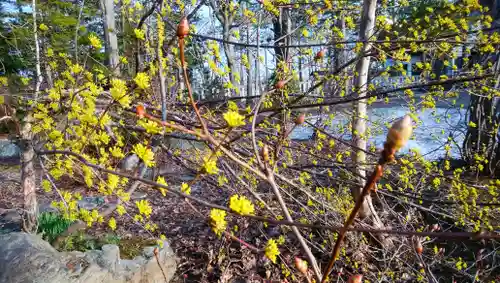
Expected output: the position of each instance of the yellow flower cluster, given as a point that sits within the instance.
(43, 27)
(112, 223)
(145, 154)
(95, 41)
(218, 221)
(185, 188)
(271, 250)
(119, 92)
(210, 166)
(139, 34)
(234, 119)
(162, 181)
(241, 205)
(144, 207)
(151, 127)
(90, 217)
(142, 80)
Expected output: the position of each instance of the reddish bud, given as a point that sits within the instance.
(418, 248)
(355, 278)
(155, 251)
(301, 265)
(183, 28)
(435, 227)
(320, 54)
(280, 84)
(140, 111)
(300, 119)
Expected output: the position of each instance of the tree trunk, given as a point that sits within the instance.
(28, 154)
(229, 52)
(360, 109)
(249, 70)
(281, 27)
(484, 112)
(28, 177)
(110, 35)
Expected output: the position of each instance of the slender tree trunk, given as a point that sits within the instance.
(249, 71)
(161, 75)
(110, 35)
(282, 27)
(28, 154)
(360, 109)
(229, 52)
(258, 84)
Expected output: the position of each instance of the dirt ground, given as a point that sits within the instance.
(202, 256)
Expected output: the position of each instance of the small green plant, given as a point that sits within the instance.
(51, 225)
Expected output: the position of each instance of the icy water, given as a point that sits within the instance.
(430, 135)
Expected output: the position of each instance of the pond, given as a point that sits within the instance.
(431, 134)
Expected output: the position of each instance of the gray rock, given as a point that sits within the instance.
(129, 163)
(10, 221)
(26, 258)
(138, 195)
(90, 203)
(9, 149)
(10, 153)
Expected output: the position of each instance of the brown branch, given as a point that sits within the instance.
(380, 93)
(170, 190)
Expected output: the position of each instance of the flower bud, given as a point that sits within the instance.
(183, 28)
(300, 119)
(301, 265)
(400, 133)
(140, 111)
(355, 278)
(265, 153)
(435, 227)
(320, 55)
(418, 248)
(280, 84)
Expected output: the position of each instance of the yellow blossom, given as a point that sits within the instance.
(151, 127)
(234, 119)
(116, 152)
(144, 207)
(271, 250)
(185, 188)
(162, 181)
(47, 187)
(119, 92)
(95, 41)
(241, 205)
(218, 221)
(112, 223)
(144, 153)
(120, 209)
(142, 80)
(139, 34)
(210, 166)
(43, 27)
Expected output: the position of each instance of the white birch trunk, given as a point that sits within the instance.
(360, 109)
(110, 35)
(28, 154)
